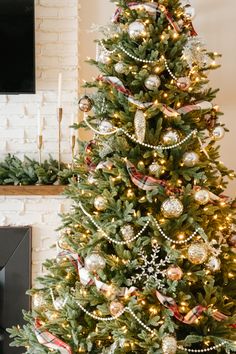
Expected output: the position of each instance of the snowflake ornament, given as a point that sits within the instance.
(152, 268)
(195, 53)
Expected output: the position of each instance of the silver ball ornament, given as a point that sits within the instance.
(183, 83)
(169, 345)
(190, 159)
(85, 104)
(152, 82)
(136, 29)
(127, 231)
(197, 253)
(202, 196)
(94, 262)
(170, 137)
(218, 133)
(100, 203)
(38, 300)
(155, 169)
(91, 179)
(172, 208)
(115, 308)
(104, 58)
(120, 67)
(213, 264)
(105, 127)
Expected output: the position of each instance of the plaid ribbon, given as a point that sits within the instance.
(115, 82)
(146, 183)
(204, 105)
(49, 340)
(88, 150)
(170, 303)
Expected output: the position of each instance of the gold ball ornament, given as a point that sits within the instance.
(155, 169)
(170, 137)
(197, 253)
(232, 240)
(202, 196)
(100, 203)
(152, 82)
(213, 264)
(169, 345)
(116, 308)
(85, 104)
(136, 29)
(172, 208)
(94, 262)
(190, 159)
(174, 272)
(218, 133)
(183, 83)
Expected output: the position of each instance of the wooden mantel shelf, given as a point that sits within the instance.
(31, 190)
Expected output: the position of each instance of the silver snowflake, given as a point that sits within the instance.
(195, 53)
(152, 268)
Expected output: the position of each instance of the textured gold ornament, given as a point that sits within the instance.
(172, 208)
(140, 125)
(100, 203)
(202, 196)
(174, 272)
(213, 264)
(169, 345)
(183, 83)
(197, 253)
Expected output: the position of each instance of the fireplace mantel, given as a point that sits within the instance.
(31, 190)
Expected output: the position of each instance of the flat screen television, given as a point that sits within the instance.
(17, 54)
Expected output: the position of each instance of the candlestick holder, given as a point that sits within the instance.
(72, 150)
(60, 115)
(40, 146)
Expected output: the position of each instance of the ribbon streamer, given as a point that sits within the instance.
(170, 303)
(204, 105)
(115, 82)
(49, 340)
(146, 183)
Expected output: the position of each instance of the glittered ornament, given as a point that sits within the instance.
(105, 127)
(232, 240)
(38, 300)
(197, 253)
(174, 272)
(172, 208)
(100, 203)
(94, 262)
(136, 29)
(190, 159)
(213, 264)
(155, 169)
(202, 196)
(120, 67)
(104, 57)
(140, 125)
(85, 104)
(59, 303)
(218, 133)
(116, 308)
(170, 137)
(183, 83)
(152, 82)
(169, 344)
(127, 231)
(189, 12)
(91, 179)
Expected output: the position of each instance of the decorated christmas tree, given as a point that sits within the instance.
(147, 253)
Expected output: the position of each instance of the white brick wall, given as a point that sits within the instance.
(56, 51)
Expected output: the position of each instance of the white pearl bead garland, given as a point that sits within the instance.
(146, 61)
(202, 350)
(105, 234)
(170, 72)
(155, 147)
(178, 242)
(106, 50)
(159, 147)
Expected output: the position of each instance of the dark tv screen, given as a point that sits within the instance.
(17, 54)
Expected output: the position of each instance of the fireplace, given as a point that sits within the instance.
(15, 279)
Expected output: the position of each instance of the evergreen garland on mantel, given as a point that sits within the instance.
(14, 171)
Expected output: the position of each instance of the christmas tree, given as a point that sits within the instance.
(147, 259)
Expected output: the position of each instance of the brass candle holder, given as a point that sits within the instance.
(40, 146)
(60, 115)
(72, 150)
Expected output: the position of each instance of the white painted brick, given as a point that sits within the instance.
(46, 12)
(57, 25)
(13, 108)
(11, 204)
(15, 134)
(58, 3)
